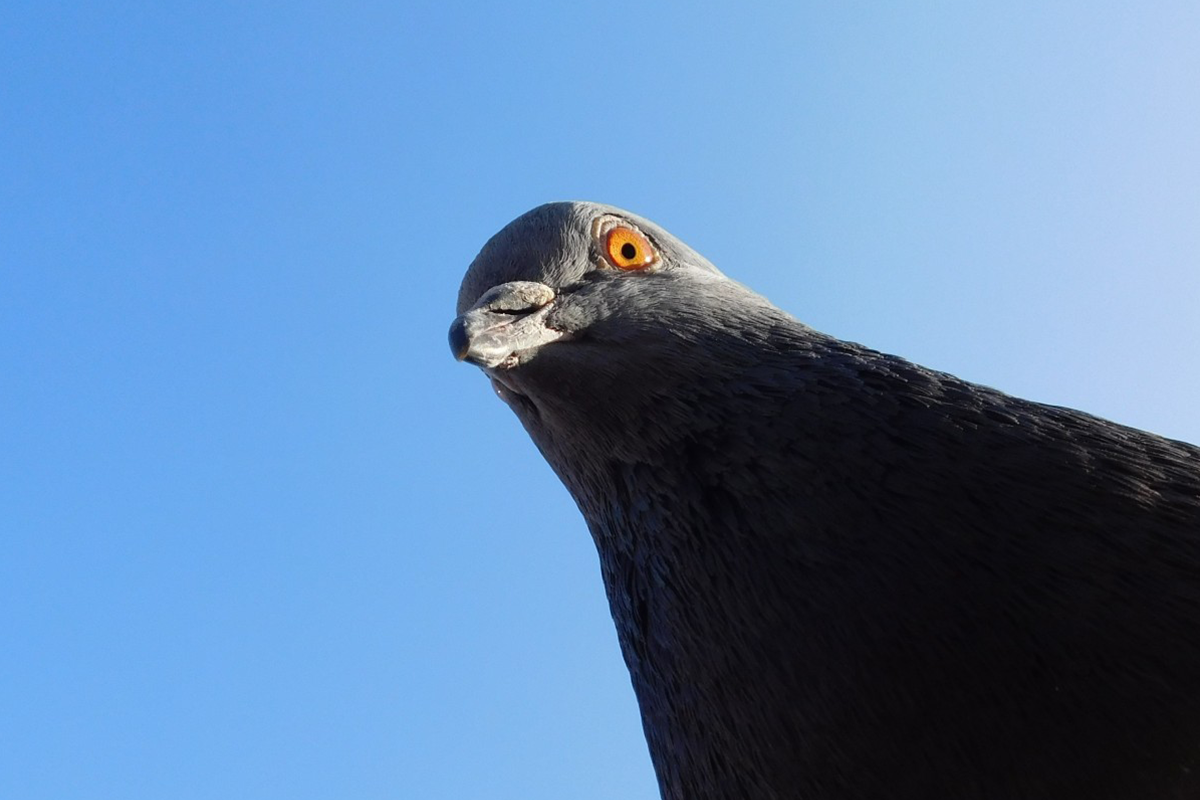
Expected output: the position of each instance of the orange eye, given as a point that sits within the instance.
(628, 249)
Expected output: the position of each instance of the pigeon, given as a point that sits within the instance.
(836, 574)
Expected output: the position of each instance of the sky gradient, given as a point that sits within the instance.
(261, 536)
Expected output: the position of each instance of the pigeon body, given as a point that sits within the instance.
(836, 574)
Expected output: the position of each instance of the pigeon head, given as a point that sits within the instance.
(587, 317)
(563, 244)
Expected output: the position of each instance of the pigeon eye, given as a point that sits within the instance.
(628, 249)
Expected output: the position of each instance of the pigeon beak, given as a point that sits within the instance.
(508, 321)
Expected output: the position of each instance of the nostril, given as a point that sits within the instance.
(517, 297)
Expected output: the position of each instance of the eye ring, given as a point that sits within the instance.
(627, 248)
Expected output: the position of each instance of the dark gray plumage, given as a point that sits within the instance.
(834, 573)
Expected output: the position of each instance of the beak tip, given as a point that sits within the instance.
(460, 343)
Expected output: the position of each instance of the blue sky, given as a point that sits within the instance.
(260, 535)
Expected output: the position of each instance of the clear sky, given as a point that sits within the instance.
(261, 536)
